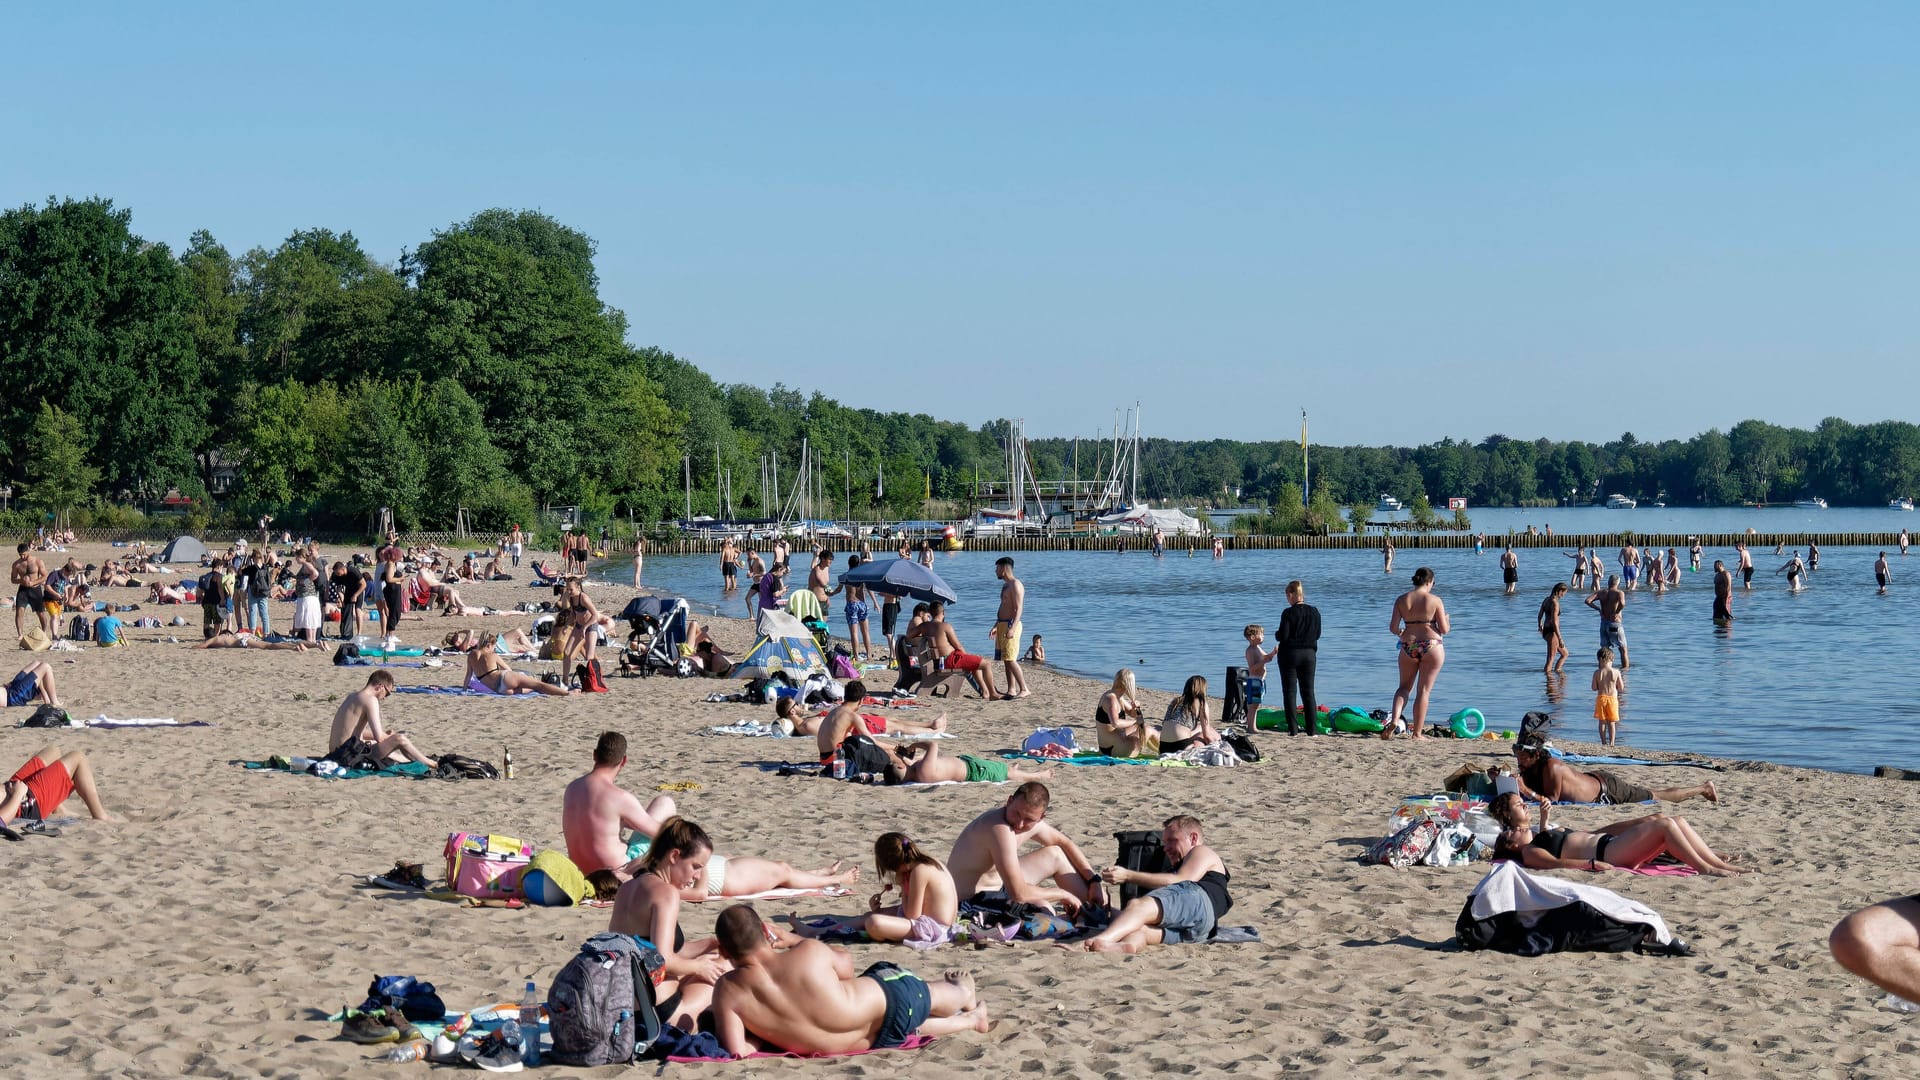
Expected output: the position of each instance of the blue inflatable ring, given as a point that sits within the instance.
(1469, 724)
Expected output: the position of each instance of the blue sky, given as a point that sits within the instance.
(1413, 221)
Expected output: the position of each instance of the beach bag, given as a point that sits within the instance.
(462, 767)
(1404, 848)
(486, 867)
(862, 755)
(551, 880)
(49, 716)
(1042, 737)
(416, 1000)
(1234, 711)
(842, 667)
(600, 1008)
(591, 681)
(1242, 745)
(79, 629)
(1140, 851)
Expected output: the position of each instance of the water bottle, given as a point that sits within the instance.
(511, 1034)
(838, 770)
(1900, 1004)
(530, 1025)
(413, 1051)
(301, 764)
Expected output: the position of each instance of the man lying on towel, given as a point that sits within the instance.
(807, 1000)
(1543, 776)
(839, 723)
(922, 763)
(358, 741)
(228, 639)
(987, 857)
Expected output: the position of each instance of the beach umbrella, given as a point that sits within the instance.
(900, 577)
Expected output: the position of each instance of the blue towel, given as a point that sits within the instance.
(1602, 759)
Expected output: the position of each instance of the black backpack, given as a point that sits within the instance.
(79, 629)
(1534, 723)
(600, 1008)
(462, 767)
(47, 716)
(1243, 746)
(1140, 850)
(863, 756)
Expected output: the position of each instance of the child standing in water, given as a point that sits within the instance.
(1255, 686)
(1608, 681)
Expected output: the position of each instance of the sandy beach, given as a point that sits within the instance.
(211, 931)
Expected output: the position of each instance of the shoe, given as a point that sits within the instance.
(491, 1052)
(368, 1028)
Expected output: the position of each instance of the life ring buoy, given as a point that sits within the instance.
(1469, 724)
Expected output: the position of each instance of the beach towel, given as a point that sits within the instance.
(754, 729)
(108, 723)
(780, 894)
(460, 691)
(1661, 869)
(411, 769)
(915, 1042)
(1100, 759)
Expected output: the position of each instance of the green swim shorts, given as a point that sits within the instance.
(984, 770)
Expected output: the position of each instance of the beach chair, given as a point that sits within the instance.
(933, 677)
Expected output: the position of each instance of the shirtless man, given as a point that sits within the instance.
(358, 721)
(30, 581)
(729, 565)
(1722, 593)
(1629, 566)
(922, 763)
(820, 578)
(228, 639)
(807, 1000)
(33, 684)
(1611, 602)
(1881, 572)
(846, 718)
(937, 632)
(1386, 552)
(1185, 903)
(1746, 566)
(1006, 628)
(48, 779)
(1510, 569)
(987, 856)
(595, 808)
(1544, 777)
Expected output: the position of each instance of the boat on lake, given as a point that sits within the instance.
(1902, 503)
(1620, 502)
(1813, 503)
(1388, 505)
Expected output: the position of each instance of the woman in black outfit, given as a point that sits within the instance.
(1297, 649)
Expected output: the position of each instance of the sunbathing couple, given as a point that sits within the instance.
(804, 998)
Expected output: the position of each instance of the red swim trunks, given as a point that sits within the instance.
(47, 786)
(876, 725)
(959, 661)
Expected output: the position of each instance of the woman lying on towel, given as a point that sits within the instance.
(487, 673)
(1625, 844)
(514, 642)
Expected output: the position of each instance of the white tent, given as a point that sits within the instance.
(1146, 519)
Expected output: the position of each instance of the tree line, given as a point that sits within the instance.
(481, 371)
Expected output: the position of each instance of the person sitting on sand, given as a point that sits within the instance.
(987, 856)
(1186, 903)
(358, 736)
(230, 639)
(938, 634)
(595, 808)
(1625, 844)
(1188, 721)
(807, 999)
(649, 905)
(1881, 944)
(162, 593)
(841, 721)
(707, 655)
(1543, 776)
(50, 777)
(451, 604)
(33, 685)
(1116, 720)
(922, 763)
(1036, 652)
(929, 904)
(487, 673)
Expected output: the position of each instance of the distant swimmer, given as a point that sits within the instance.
(1881, 573)
(1579, 557)
(1386, 552)
(1722, 593)
(1673, 566)
(1746, 566)
(1794, 569)
(1630, 566)
(1903, 543)
(1813, 556)
(1219, 548)
(1594, 568)
(1694, 553)
(1548, 621)
(1510, 569)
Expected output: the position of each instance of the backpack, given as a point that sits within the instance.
(1407, 846)
(862, 756)
(79, 629)
(842, 667)
(49, 716)
(600, 1008)
(462, 767)
(1242, 745)
(1140, 850)
(347, 652)
(591, 681)
(1535, 723)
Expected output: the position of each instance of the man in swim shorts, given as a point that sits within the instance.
(228, 639)
(595, 808)
(1746, 566)
(1545, 777)
(30, 579)
(1510, 569)
(1611, 602)
(357, 732)
(1880, 571)
(807, 1000)
(1186, 903)
(1006, 628)
(49, 778)
(987, 856)
(33, 685)
(938, 633)
(1722, 593)
(922, 763)
(839, 723)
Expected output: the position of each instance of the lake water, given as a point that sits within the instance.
(1497, 521)
(1802, 679)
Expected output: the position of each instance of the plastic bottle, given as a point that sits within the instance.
(413, 1051)
(511, 1034)
(1900, 1004)
(506, 763)
(301, 764)
(530, 1025)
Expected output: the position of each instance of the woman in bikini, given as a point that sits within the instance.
(1188, 721)
(514, 642)
(649, 905)
(1625, 844)
(487, 673)
(1116, 719)
(1419, 621)
(1548, 619)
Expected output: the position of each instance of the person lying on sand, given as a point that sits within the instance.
(1625, 844)
(230, 639)
(487, 673)
(33, 685)
(50, 777)
(513, 642)
(451, 604)
(1186, 902)
(595, 808)
(922, 763)
(987, 856)
(357, 733)
(807, 1000)
(162, 593)
(840, 721)
(1881, 944)
(1543, 776)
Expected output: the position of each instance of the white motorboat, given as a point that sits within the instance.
(1620, 502)
(1388, 505)
(1814, 503)
(1902, 503)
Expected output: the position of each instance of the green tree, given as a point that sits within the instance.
(1420, 513)
(58, 476)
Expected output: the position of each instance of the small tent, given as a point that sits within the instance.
(184, 549)
(781, 643)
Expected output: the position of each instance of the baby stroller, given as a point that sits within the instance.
(660, 628)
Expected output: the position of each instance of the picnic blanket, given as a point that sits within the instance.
(412, 769)
(755, 729)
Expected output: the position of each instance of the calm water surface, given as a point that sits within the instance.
(1816, 678)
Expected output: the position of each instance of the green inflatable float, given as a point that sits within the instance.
(1345, 719)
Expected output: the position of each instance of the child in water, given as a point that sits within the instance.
(1608, 681)
(1036, 652)
(1255, 685)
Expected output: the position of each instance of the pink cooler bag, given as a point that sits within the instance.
(486, 867)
